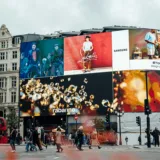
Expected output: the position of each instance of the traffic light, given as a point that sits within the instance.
(147, 109)
(107, 118)
(138, 120)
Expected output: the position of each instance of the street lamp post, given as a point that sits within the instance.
(119, 112)
(76, 118)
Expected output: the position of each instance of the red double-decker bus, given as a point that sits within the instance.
(3, 130)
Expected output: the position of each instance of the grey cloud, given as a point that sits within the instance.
(47, 16)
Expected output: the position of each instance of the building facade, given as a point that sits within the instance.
(9, 71)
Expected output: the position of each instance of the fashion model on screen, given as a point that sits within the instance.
(87, 54)
(151, 40)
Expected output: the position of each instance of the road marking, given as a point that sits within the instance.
(55, 157)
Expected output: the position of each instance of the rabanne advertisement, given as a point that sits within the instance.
(81, 94)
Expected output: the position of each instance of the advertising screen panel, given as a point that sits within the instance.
(81, 94)
(130, 90)
(88, 54)
(120, 50)
(42, 58)
(144, 49)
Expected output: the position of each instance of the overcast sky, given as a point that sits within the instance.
(47, 16)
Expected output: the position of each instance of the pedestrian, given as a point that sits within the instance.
(42, 137)
(59, 139)
(13, 139)
(29, 139)
(156, 134)
(18, 138)
(80, 138)
(126, 139)
(94, 139)
(36, 140)
(89, 140)
(70, 138)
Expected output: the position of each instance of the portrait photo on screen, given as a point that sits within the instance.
(81, 94)
(130, 90)
(42, 58)
(88, 53)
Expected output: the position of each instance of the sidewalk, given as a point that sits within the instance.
(145, 148)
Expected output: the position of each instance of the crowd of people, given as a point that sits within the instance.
(36, 138)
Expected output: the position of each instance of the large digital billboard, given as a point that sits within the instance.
(144, 47)
(42, 58)
(130, 90)
(81, 94)
(88, 54)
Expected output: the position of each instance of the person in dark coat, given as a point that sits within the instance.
(156, 134)
(80, 138)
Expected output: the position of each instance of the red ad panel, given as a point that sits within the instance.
(102, 48)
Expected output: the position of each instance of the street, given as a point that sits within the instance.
(70, 153)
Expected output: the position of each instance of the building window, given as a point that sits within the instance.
(17, 40)
(3, 44)
(2, 69)
(14, 66)
(14, 54)
(3, 82)
(6, 68)
(2, 55)
(13, 97)
(7, 43)
(14, 81)
(6, 55)
(3, 97)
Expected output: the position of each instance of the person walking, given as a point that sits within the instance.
(80, 138)
(36, 140)
(70, 139)
(13, 139)
(18, 138)
(94, 139)
(42, 137)
(29, 138)
(59, 139)
(89, 140)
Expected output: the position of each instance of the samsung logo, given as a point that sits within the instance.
(154, 62)
(120, 50)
